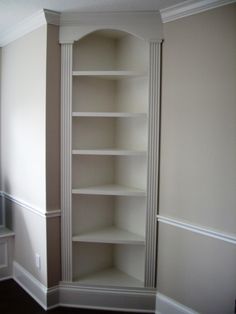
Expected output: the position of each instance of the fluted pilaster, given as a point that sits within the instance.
(66, 114)
(153, 163)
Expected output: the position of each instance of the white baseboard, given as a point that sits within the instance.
(166, 305)
(72, 295)
(128, 300)
(46, 297)
(6, 278)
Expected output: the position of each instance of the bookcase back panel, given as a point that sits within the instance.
(91, 213)
(131, 171)
(132, 95)
(93, 94)
(130, 260)
(92, 170)
(130, 214)
(131, 133)
(132, 53)
(89, 258)
(93, 133)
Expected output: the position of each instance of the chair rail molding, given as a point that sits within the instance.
(36, 210)
(209, 232)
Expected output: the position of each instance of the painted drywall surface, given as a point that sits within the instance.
(29, 240)
(53, 251)
(198, 152)
(0, 115)
(53, 119)
(53, 153)
(197, 271)
(198, 159)
(1, 211)
(23, 87)
(23, 151)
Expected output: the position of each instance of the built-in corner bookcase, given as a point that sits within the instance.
(109, 158)
(110, 139)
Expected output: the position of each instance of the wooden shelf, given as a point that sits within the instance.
(110, 152)
(111, 277)
(109, 74)
(110, 189)
(110, 235)
(4, 232)
(109, 114)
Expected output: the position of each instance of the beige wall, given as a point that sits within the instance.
(30, 238)
(53, 153)
(198, 159)
(30, 148)
(23, 89)
(53, 119)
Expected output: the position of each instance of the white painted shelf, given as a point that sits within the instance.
(111, 152)
(4, 232)
(110, 189)
(109, 74)
(109, 114)
(110, 235)
(111, 277)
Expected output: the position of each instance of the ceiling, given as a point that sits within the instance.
(14, 11)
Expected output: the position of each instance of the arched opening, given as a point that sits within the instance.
(110, 50)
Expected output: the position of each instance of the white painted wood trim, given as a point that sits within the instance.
(5, 278)
(30, 284)
(82, 296)
(47, 297)
(128, 300)
(209, 232)
(109, 74)
(190, 7)
(166, 305)
(111, 235)
(144, 24)
(109, 152)
(110, 114)
(110, 189)
(28, 25)
(66, 160)
(153, 163)
(31, 208)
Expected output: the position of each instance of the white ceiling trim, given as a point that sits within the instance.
(28, 25)
(190, 7)
(43, 17)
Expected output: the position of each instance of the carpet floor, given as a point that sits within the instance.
(14, 300)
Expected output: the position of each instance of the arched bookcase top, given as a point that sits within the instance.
(145, 25)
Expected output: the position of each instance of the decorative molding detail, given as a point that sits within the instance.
(153, 163)
(144, 24)
(29, 207)
(48, 298)
(30, 284)
(132, 300)
(165, 305)
(230, 238)
(28, 25)
(190, 7)
(5, 278)
(72, 295)
(66, 148)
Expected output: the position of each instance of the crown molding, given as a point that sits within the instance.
(28, 25)
(190, 7)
